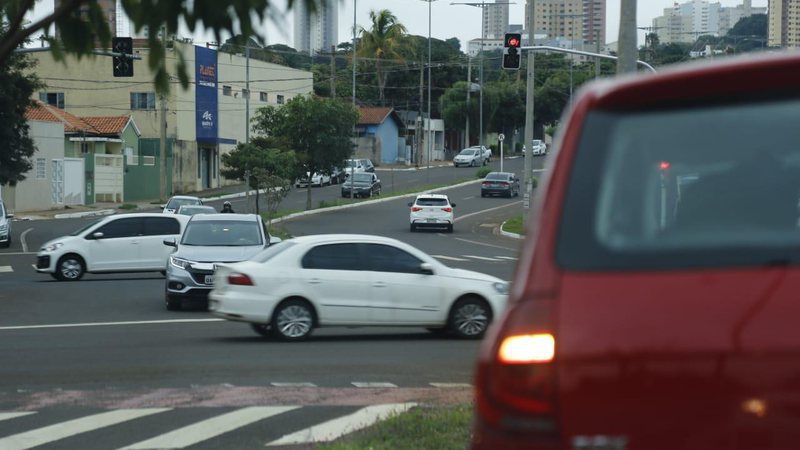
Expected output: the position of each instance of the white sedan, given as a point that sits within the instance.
(353, 280)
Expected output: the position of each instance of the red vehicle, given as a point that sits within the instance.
(656, 302)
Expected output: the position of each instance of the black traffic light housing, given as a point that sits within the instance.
(123, 65)
(511, 52)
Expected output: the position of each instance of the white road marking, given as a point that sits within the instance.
(333, 429)
(468, 198)
(23, 241)
(280, 384)
(209, 428)
(539, 170)
(510, 258)
(460, 218)
(103, 324)
(451, 385)
(364, 384)
(13, 415)
(6, 269)
(450, 258)
(41, 436)
(482, 258)
(17, 253)
(485, 244)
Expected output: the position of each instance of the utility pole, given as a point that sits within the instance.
(247, 89)
(421, 121)
(353, 163)
(469, 90)
(163, 147)
(528, 157)
(333, 71)
(627, 37)
(597, 60)
(428, 139)
(483, 37)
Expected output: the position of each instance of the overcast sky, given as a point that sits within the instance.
(448, 20)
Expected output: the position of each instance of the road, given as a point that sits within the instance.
(107, 344)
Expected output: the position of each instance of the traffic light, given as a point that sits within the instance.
(123, 65)
(511, 54)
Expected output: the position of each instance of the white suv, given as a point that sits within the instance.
(472, 156)
(432, 211)
(119, 243)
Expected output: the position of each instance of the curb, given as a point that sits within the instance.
(508, 233)
(369, 202)
(234, 195)
(100, 212)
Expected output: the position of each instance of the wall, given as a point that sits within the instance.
(387, 135)
(32, 194)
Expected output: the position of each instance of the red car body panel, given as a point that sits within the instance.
(701, 358)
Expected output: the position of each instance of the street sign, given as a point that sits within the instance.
(501, 137)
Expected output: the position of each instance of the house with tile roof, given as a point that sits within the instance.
(96, 160)
(378, 135)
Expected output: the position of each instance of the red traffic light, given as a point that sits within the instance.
(664, 165)
(513, 40)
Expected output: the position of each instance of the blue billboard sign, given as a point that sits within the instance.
(206, 120)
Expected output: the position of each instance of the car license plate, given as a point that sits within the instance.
(209, 279)
(431, 220)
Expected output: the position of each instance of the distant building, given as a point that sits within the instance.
(110, 9)
(317, 31)
(572, 20)
(684, 22)
(784, 23)
(495, 20)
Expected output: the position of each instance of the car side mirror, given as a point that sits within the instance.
(410, 204)
(426, 268)
(98, 235)
(162, 206)
(453, 205)
(170, 243)
(9, 216)
(274, 240)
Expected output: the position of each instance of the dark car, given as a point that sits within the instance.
(505, 184)
(362, 184)
(655, 302)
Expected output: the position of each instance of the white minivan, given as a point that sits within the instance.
(118, 243)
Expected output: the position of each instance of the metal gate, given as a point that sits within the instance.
(57, 183)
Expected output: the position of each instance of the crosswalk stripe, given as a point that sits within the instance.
(333, 429)
(451, 385)
(41, 436)
(364, 384)
(13, 415)
(282, 384)
(207, 429)
(6, 269)
(450, 258)
(510, 258)
(482, 258)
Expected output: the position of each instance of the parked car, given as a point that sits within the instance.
(362, 184)
(190, 210)
(358, 165)
(655, 299)
(5, 226)
(353, 280)
(472, 157)
(118, 243)
(210, 239)
(538, 146)
(432, 211)
(318, 179)
(500, 183)
(487, 153)
(179, 200)
(338, 175)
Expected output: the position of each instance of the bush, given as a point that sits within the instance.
(534, 182)
(127, 206)
(482, 172)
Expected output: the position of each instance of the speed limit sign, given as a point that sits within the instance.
(501, 137)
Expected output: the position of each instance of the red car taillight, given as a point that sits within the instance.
(486, 183)
(416, 209)
(447, 209)
(515, 385)
(239, 279)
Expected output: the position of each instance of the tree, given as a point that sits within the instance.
(83, 24)
(262, 164)
(17, 85)
(381, 41)
(317, 129)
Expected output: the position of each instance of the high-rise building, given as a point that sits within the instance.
(784, 23)
(684, 22)
(572, 20)
(316, 31)
(109, 7)
(495, 20)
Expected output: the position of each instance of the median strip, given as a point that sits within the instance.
(106, 324)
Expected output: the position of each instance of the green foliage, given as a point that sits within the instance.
(17, 85)
(318, 130)
(82, 23)
(381, 41)
(483, 171)
(514, 225)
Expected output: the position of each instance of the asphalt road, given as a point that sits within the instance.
(107, 342)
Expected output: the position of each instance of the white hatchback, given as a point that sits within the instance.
(353, 280)
(119, 243)
(432, 211)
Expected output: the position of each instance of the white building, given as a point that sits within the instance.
(317, 31)
(684, 22)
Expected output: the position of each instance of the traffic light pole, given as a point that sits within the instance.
(527, 172)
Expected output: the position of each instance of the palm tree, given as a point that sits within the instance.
(382, 41)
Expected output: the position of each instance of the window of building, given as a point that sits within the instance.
(226, 90)
(52, 98)
(143, 100)
(263, 96)
(280, 99)
(41, 168)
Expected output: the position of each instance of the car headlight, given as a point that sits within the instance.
(501, 288)
(52, 247)
(3, 228)
(180, 262)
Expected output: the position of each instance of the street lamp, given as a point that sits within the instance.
(428, 142)
(352, 163)
(572, 17)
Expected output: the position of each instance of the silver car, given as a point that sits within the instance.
(210, 239)
(5, 226)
